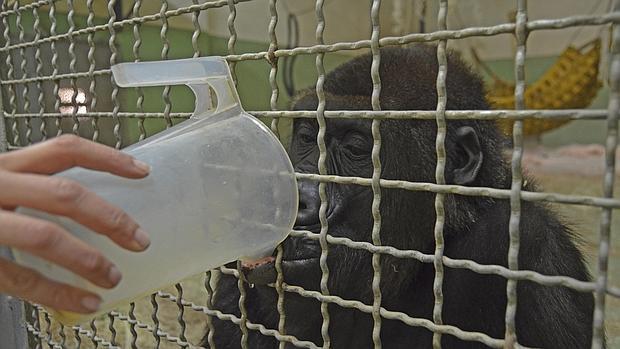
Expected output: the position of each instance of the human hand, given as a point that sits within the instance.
(25, 181)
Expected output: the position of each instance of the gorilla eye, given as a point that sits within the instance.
(306, 135)
(356, 146)
(307, 138)
(356, 150)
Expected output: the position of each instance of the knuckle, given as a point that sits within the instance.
(66, 142)
(46, 235)
(66, 191)
(94, 263)
(119, 221)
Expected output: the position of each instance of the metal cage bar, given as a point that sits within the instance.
(243, 323)
(376, 171)
(54, 61)
(197, 31)
(611, 145)
(113, 55)
(404, 318)
(163, 34)
(4, 143)
(232, 39)
(504, 272)
(10, 76)
(92, 87)
(135, 12)
(554, 114)
(275, 93)
(72, 68)
(23, 71)
(116, 108)
(209, 305)
(517, 174)
(505, 28)
(137, 43)
(273, 62)
(320, 28)
(39, 72)
(440, 149)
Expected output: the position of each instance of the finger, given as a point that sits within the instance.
(28, 284)
(68, 151)
(50, 242)
(65, 197)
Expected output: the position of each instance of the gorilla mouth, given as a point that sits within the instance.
(263, 271)
(299, 255)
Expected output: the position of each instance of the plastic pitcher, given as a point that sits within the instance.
(221, 188)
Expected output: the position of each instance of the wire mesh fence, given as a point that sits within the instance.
(56, 79)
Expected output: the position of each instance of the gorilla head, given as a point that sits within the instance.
(407, 153)
(475, 228)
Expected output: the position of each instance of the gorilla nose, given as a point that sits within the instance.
(309, 203)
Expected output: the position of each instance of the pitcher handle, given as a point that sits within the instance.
(197, 73)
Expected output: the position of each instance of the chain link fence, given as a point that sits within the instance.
(56, 79)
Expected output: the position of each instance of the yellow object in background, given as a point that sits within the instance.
(571, 83)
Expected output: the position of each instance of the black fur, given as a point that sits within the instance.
(476, 228)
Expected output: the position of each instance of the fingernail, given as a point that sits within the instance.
(91, 303)
(114, 275)
(142, 166)
(141, 238)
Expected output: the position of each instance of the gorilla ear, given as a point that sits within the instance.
(467, 141)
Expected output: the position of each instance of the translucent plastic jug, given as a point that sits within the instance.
(221, 188)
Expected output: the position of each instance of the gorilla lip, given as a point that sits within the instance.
(257, 263)
(265, 272)
(252, 265)
(262, 271)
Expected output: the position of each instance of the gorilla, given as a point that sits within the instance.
(476, 228)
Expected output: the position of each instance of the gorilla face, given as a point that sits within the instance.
(407, 153)
(348, 150)
(348, 153)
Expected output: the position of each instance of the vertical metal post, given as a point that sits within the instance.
(12, 321)
(320, 140)
(611, 144)
(440, 168)
(517, 176)
(376, 171)
(4, 144)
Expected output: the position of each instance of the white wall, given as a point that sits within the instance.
(464, 13)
